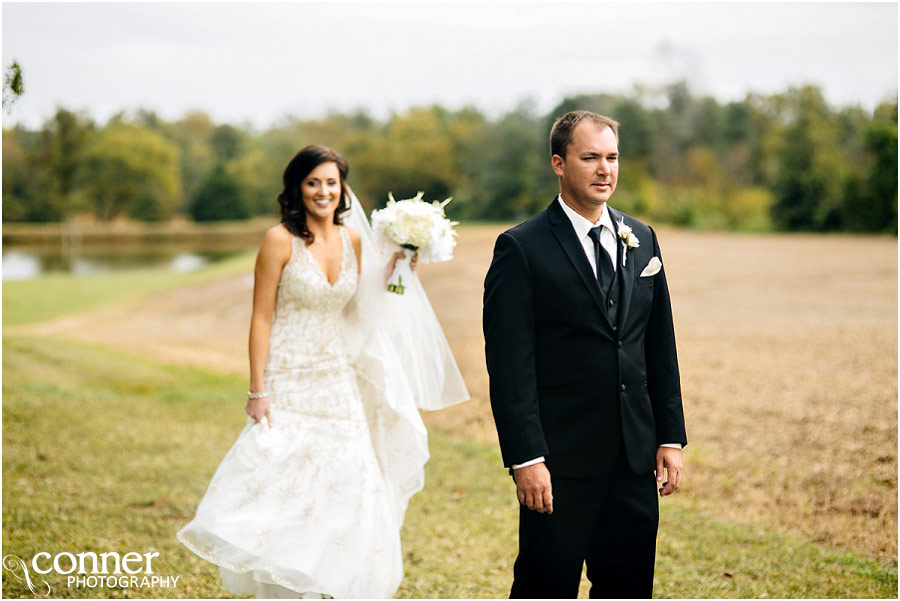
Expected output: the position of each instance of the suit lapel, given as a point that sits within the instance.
(565, 235)
(627, 272)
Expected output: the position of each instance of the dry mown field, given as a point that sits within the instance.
(788, 353)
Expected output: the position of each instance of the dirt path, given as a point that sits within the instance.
(788, 352)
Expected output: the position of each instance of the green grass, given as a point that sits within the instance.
(53, 295)
(107, 452)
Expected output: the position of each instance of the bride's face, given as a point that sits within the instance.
(322, 191)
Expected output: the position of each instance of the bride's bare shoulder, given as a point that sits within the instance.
(276, 246)
(279, 231)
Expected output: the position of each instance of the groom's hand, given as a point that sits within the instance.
(670, 459)
(533, 487)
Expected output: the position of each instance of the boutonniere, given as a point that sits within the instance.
(629, 240)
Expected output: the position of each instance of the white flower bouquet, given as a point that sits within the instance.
(415, 226)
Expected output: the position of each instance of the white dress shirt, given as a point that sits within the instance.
(582, 227)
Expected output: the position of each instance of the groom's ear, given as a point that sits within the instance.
(556, 162)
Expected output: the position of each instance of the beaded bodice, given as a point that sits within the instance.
(305, 327)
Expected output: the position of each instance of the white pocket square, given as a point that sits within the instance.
(652, 268)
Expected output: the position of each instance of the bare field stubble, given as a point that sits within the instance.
(788, 354)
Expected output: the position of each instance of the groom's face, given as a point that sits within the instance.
(590, 169)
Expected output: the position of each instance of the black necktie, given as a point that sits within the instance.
(605, 273)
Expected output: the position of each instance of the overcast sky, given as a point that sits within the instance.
(259, 62)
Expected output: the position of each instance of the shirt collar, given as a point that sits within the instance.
(583, 226)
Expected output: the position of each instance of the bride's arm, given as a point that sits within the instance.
(274, 253)
(357, 247)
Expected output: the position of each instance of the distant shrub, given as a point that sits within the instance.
(221, 196)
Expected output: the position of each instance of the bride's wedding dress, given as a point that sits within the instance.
(314, 502)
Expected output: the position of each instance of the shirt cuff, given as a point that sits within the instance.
(516, 466)
(672, 445)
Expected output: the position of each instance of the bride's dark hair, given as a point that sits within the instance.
(293, 211)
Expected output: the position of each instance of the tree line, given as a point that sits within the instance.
(785, 161)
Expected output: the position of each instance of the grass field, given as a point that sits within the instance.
(50, 296)
(789, 376)
(789, 371)
(105, 451)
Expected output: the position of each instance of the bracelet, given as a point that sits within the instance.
(257, 395)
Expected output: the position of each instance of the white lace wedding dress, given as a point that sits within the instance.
(314, 503)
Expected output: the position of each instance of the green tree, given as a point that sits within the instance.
(886, 111)
(260, 179)
(412, 152)
(148, 118)
(66, 137)
(740, 144)
(872, 200)
(465, 128)
(264, 167)
(505, 169)
(13, 84)
(708, 124)
(809, 184)
(686, 159)
(221, 196)
(129, 169)
(227, 142)
(638, 136)
(26, 186)
(192, 134)
(43, 166)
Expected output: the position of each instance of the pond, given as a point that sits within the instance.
(23, 263)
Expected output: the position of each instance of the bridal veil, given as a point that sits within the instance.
(403, 363)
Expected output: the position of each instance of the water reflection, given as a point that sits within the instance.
(187, 262)
(20, 266)
(24, 264)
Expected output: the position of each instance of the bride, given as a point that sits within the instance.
(310, 499)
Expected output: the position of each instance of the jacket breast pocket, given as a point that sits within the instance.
(647, 281)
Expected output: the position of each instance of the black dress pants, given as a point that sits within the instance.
(610, 522)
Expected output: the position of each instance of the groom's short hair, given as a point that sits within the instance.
(561, 132)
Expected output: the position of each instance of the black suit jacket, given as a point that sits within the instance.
(565, 381)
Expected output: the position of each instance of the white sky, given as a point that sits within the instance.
(258, 62)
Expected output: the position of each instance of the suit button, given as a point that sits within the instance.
(615, 329)
(623, 388)
(619, 344)
(612, 302)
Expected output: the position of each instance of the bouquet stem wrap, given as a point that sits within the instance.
(401, 276)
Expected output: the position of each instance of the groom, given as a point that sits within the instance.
(584, 377)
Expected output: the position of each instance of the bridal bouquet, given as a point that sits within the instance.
(415, 226)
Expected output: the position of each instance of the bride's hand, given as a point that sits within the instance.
(399, 255)
(258, 409)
